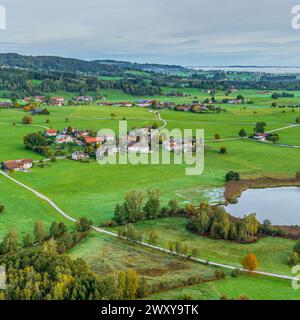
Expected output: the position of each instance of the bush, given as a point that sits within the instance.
(220, 274)
(84, 225)
(108, 224)
(293, 259)
(2, 208)
(298, 119)
(297, 247)
(187, 297)
(223, 150)
(235, 273)
(27, 120)
(232, 176)
(298, 175)
(244, 297)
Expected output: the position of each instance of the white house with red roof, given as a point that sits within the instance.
(51, 133)
(57, 101)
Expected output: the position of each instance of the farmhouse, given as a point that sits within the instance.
(69, 130)
(261, 136)
(81, 133)
(183, 108)
(111, 150)
(51, 133)
(5, 104)
(57, 101)
(64, 138)
(93, 140)
(79, 155)
(138, 147)
(173, 145)
(38, 99)
(84, 99)
(144, 103)
(109, 137)
(17, 165)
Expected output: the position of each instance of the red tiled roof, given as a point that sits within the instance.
(93, 139)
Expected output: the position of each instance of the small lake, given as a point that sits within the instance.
(280, 205)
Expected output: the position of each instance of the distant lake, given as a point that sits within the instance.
(274, 70)
(280, 205)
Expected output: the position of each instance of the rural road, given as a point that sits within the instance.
(144, 244)
(283, 128)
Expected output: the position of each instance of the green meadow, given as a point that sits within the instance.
(105, 255)
(252, 287)
(272, 253)
(92, 190)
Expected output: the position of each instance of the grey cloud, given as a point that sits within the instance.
(167, 31)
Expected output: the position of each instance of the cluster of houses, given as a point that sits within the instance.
(55, 101)
(197, 108)
(138, 103)
(68, 135)
(38, 99)
(83, 99)
(71, 135)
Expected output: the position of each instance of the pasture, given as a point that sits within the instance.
(93, 190)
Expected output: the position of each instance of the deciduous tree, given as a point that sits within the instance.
(250, 262)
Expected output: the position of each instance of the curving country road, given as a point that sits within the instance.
(144, 244)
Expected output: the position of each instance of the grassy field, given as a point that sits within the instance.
(106, 255)
(93, 190)
(23, 209)
(253, 287)
(272, 253)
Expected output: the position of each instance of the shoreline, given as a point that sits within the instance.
(234, 189)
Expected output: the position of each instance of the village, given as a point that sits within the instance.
(35, 104)
(87, 145)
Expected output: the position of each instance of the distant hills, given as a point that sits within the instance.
(96, 67)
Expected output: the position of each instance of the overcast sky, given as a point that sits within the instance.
(187, 32)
